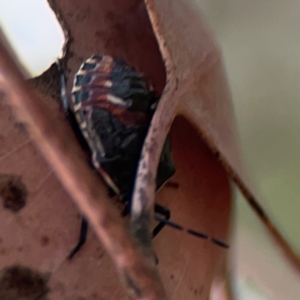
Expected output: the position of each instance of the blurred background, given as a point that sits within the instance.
(261, 49)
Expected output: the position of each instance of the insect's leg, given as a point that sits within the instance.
(166, 213)
(160, 210)
(82, 238)
(157, 209)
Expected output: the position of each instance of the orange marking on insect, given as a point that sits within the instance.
(105, 65)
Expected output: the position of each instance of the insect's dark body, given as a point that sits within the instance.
(111, 110)
(113, 106)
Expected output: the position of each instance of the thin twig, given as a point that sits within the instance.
(142, 205)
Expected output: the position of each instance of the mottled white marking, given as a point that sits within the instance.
(95, 160)
(104, 175)
(153, 106)
(116, 100)
(81, 72)
(101, 83)
(94, 141)
(107, 83)
(78, 118)
(76, 88)
(77, 107)
(85, 134)
(73, 98)
(91, 61)
(83, 125)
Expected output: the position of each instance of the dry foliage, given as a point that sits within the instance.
(170, 43)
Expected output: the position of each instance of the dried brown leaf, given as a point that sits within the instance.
(186, 63)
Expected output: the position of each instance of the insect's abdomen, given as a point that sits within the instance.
(113, 107)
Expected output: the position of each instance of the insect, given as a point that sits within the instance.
(110, 111)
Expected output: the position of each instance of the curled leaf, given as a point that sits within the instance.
(170, 43)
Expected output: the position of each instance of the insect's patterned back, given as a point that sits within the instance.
(113, 106)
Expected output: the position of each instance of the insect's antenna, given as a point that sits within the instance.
(63, 89)
(195, 233)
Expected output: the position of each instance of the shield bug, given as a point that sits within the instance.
(110, 111)
(113, 107)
